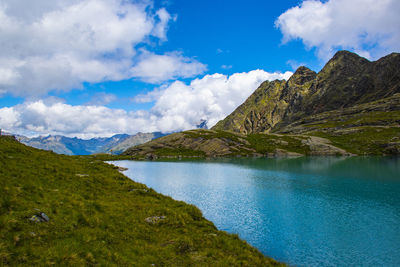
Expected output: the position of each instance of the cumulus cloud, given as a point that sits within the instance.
(178, 106)
(164, 17)
(368, 27)
(154, 68)
(213, 97)
(57, 45)
(59, 118)
(150, 96)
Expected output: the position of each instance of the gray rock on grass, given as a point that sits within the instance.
(39, 218)
(154, 219)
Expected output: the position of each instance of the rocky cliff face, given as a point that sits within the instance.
(345, 81)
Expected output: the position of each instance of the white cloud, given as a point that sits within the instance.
(9, 118)
(150, 96)
(82, 121)
(226, 67)
(57, 45)
(212, 98)
(161, 28)
(368, 27)
(178, 106)
(154, 68)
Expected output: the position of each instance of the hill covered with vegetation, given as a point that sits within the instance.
(78, 210)
(208, 143)
(351, 107)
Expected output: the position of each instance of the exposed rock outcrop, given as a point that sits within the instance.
(346, 80)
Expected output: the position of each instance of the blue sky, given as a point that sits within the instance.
(101, 67)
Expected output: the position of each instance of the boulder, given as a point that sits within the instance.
(154, 219)
(40, 217)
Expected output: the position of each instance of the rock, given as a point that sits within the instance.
(35, 218)
(121, 169)
(154, 219)
(44, 217)
(40, 217)
(322, 146)
(285, 153)
(139, 189)
(392, 148)
(82, 175)
(151, 157)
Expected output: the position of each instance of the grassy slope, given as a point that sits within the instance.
(97, 219)
(372, 128)
(367, 129)
(366, 140)
(208, 143)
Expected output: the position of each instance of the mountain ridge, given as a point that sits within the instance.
(350, 107)
(347, 79)
(115, 144)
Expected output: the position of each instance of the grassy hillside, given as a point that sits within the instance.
(98, 217)
(208, 143)
(372, 128)
(366, 129)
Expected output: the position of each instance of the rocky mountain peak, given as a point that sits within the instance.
(348, 57)
(202, 124)
(346, 80)
(302, 75)
(345, 60)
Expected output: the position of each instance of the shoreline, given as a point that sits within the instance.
(98, 216)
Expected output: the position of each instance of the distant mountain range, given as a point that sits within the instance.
(352, 106)
(76, 146)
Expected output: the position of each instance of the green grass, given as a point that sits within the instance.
(370, 118)
(107, 157)
(205, 134)
(267, 143)
(364, 140)
(97, 219)
(261, 143)
(178, 152)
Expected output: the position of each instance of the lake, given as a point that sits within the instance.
(308, 211)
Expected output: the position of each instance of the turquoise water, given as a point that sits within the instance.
(304, 211)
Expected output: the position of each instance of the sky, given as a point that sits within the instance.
(90, 68)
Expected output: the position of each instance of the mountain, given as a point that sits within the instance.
(132, 140)
(202, 125)
(351, 107)
(76, 146)
(346, 80)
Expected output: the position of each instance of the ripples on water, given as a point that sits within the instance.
(304, 211)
